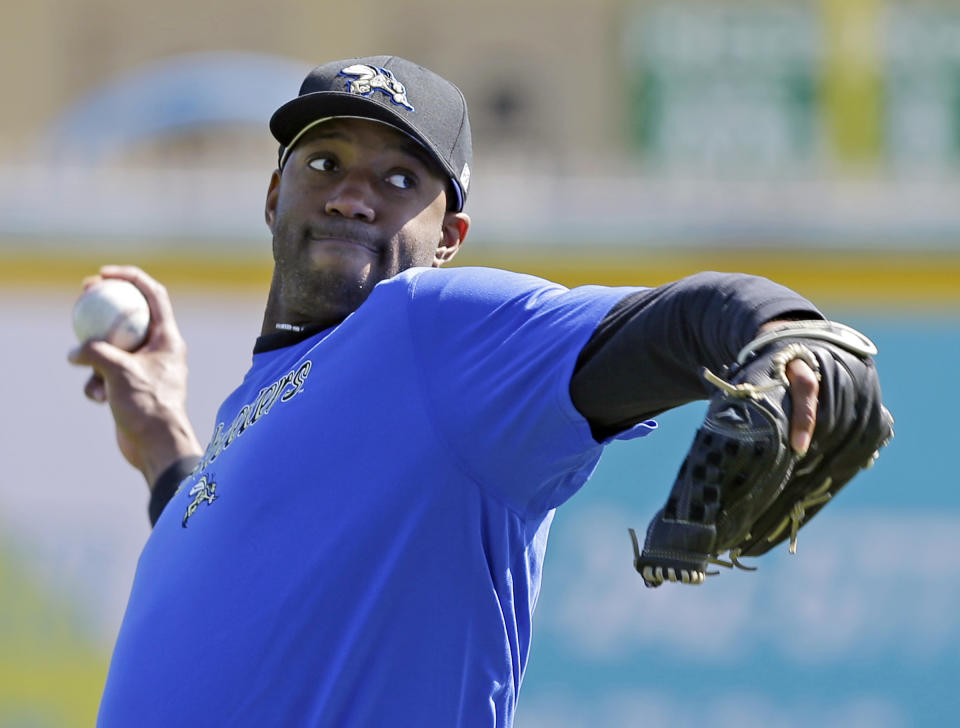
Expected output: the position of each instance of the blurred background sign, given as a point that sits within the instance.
(726, 86)
(788, 86)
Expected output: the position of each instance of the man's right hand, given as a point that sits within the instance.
(146, 389)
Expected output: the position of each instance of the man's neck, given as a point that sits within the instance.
(278, 316)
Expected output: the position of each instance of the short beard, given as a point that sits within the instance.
(318, 295)
(326, 295)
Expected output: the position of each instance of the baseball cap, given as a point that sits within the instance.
(391, 90)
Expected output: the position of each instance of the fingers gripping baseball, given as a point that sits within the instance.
(164, 332)
(146, 389)
(101, 356)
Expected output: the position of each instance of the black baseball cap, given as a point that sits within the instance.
(391, 90)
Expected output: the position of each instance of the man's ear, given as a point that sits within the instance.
(273, 192)
(453, 233)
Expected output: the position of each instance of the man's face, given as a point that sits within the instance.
(356, 202)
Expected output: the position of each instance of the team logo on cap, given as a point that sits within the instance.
(367, 79)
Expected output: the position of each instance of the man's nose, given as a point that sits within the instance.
(353, 199)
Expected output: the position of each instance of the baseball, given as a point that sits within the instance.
(112, 310)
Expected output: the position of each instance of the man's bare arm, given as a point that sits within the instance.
(146, 389)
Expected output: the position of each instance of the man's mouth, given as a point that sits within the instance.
(343, 240)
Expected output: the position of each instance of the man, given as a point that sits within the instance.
(360, 543)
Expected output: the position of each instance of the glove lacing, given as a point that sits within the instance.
(799, 512)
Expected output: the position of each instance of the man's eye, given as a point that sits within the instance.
(401, 180)
(322, 164)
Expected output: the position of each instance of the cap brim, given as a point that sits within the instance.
(290, 119)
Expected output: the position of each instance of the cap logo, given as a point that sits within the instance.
(367, 79)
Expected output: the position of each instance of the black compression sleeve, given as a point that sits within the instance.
(647, 353)
(167, 483)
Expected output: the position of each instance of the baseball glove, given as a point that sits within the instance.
(741, 489)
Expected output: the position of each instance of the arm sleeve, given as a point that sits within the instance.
(646, 354)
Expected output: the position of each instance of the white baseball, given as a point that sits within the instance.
(112, 310)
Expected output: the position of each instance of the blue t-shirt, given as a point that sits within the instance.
(361, 544)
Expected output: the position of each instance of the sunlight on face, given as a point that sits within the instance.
(357, 202)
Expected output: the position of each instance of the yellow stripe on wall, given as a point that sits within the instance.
(887, 281)
(877, 280)
(181, 269)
